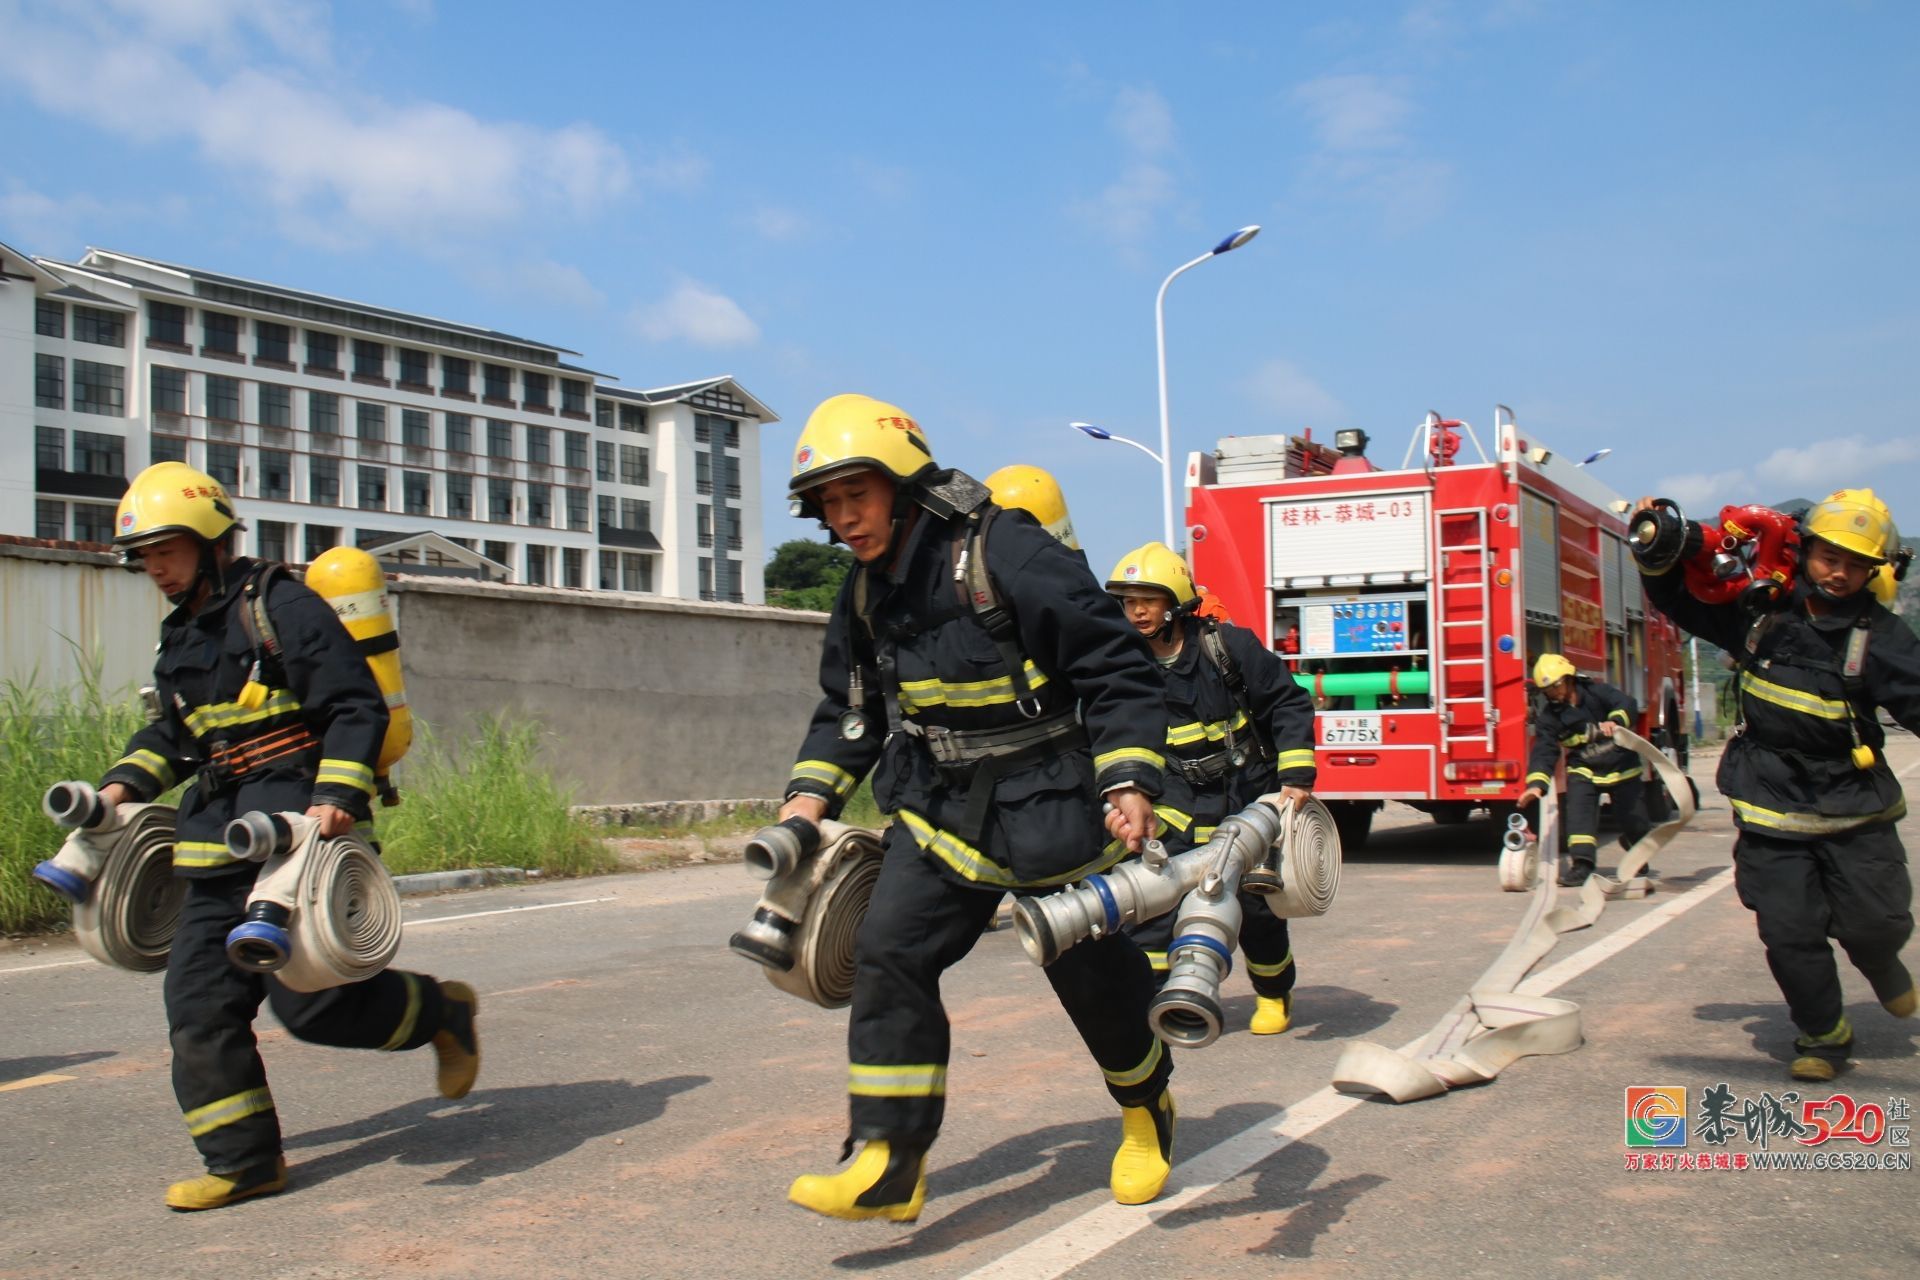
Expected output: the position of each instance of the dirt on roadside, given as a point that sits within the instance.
(657, 853)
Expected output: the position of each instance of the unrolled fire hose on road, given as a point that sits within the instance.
(819, 880)
(324, 910)
(116, 867)
(1493, 1025)
(1291, 856)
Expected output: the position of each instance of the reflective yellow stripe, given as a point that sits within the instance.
(976, 866)
(1539, 777)
(1175, 818)
(1158, 959)
(200, 853)
(1574, 840)
(838, 780)
(1604, 779)
(1139, 1074)
(1814, 824)
(918, 695)
(345, 773)
(897, 1081)
(1574, 740)
(1204, 834)
(1621, 716)
(1105, 758)
(1271, 970)
(226, 715)
(407, 1019)
(1300, 758)
(1186, 735)
(217, 1115)
(152, 763)
(1793, 699)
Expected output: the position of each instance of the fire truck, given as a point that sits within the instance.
(1412, 601)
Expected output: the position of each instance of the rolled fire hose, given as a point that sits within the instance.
(324, 911)
(1493, 1026)
(116, 867)
(819, 881)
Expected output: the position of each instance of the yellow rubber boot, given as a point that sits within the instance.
(217, 1190)
(1907, 1000)
(1271, 1014)
(1145, 1157)
(1819, 1058)
(1903, 1006)
(884, 1181)
(457, 1043)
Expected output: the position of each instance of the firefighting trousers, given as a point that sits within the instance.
(1582, 815)
(918, 925)
(1852, 887)
(1264, 942)
(218, 1077)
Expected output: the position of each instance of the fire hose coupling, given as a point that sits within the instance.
(323, 912)
(116, 867)
(777, 850)
(78, 808)
(1517, 835)
(262, 941)
(1186, 1012)
(819, 880)
(1658, 536)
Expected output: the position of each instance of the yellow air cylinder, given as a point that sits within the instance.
(354, 584)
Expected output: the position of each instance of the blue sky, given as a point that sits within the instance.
(1684, 231)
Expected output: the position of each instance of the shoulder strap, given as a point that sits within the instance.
(253, 617)
(974, 582)
(1214, 645)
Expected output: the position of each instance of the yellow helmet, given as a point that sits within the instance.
(1158, 566)
(1854, 520)
(853, 433)
(1551, 669)
(1037, 493)
(170, 498)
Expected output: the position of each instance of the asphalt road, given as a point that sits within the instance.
(647, 1097)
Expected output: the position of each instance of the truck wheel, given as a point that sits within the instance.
(1354, 822)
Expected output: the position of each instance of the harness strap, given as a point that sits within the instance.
(1214, 645)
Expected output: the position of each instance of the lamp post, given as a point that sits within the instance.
(1227, 245)
(1101, 433)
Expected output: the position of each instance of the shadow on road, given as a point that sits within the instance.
(1283, 1181)
(494, 1132)
(1876, 1034)
(1333, 1013)
(12, 1069)
(1069, 1160)
(1429, 842)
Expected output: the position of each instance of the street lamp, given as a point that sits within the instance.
(1231, 243)
(1595, 456)
(1101, 433)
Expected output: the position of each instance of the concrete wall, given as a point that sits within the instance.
(643, 699)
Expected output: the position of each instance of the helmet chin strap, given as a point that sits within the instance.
(208, 572)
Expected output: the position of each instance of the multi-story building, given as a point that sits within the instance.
(339, 423)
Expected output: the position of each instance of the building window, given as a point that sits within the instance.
(456, 375)
(92, 522)
(220, 332)
(540, 505)
(223, 398)
(272, 343)
(499, 438)
(102, 328)
(276, 474)
(50, 321)
(369, 359)
(459, 433)
(703, 524)
(603, 414)
(573, 567)
(539, 445)
(636, 515)
(536, 565)
(167, 449)
(727, 579)
(703, 473)
(603, 459)
(273, 540)
(703, 428)
(95, 454)
(169, 389)
(633, 418)
(373, 488)
(498, 552)
(323, 351)
(609, 568)
(371, 420)
(577, 450)
(276, 405)
(573, 396)
(49, 519)
(577, 509)
(609, 511)
(633, 464)
(500, 501)
(49, 449)
(460, 497)
(636, 572)
(321, 538)
(413, 367)
(323, 485)
(323, 413)
(416, 429)
(167, 322)
(99, 388)
(223, 464)
(706, 577)
(49, 382)
(535, 387)
(416, 493)
(726, 473)
(729, 528)
(498, 380)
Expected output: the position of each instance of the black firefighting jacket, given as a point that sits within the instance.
(1209, 726)
(313, 740)
(1576, 727)
(1789, 771)
(929, 654)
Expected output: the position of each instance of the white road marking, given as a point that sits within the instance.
(29, 968)
(1079, 1240)
(503, 911)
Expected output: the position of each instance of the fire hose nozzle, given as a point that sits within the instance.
(776, 850)
(1658, 535)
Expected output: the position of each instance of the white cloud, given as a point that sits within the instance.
(1355, 112)
(1363, 151)
(40, 223)
(697, 314)
(1288, 392)
(1143, 120)
(538, 277)
(774, 223)
(1808, 471)
(1127, 209)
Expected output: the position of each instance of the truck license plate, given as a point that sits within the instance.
(1350, 731)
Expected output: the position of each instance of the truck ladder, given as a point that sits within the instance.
(1463, 634)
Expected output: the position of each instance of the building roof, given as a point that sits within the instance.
(431, 550)
(15, 265)
(704, 391)
(77, 294)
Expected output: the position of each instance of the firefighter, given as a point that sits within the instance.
(1579, 714)
(1031, 489)
(294, 725)
(1239, 727)
(952, 666)
(1806, 772)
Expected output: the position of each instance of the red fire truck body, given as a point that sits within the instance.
(1413, 602)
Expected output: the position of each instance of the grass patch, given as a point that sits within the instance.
(860, 811)
(491, 803)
